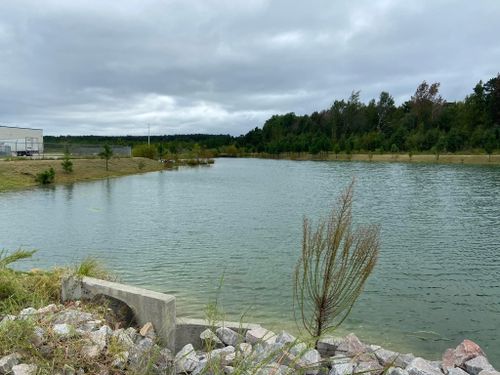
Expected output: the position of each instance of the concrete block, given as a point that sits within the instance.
(147, 306)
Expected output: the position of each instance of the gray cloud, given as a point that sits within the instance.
(225, 66)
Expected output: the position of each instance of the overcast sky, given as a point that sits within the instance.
(111, 67)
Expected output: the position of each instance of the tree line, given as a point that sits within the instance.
(424, 123)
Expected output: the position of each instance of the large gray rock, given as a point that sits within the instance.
(390, 358)
(186, 360)
(27, 313)
(489, 372)
(38, 337)
(133, 334)
(203, 367)
(9, 361)
(73, 317)
(476, 365)
(225, 356)
(455, 371)
(284, 338)
(47, 310)
(342, 365)
(298, 349)
(63, 330)
(396, 371)
(140, 353)
(262, 352)
(101, 337)
(24, 369)
(261, 335)
(210, 339)
(351, 346)
(123, 339)
(228, 336)
(244, 349)
(328, 345)
(309, 362)
(89, 326)
(420, 366)
(369, 368)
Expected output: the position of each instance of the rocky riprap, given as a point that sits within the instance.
(259, 351)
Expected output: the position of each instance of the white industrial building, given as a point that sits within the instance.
(15, 141)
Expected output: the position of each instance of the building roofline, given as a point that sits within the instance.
(19, 127)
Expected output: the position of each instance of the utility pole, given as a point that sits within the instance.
(149, 135)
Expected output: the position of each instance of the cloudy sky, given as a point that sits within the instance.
(224, 66)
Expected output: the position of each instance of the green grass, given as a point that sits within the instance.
(91, 267)
(37, 288)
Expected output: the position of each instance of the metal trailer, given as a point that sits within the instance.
(21, 141)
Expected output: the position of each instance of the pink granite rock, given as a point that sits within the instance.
(461, 354)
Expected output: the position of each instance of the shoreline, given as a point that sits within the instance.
(197, 346)
(20, 174)
(468, 159)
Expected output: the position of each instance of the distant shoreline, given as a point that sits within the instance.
(470, 159)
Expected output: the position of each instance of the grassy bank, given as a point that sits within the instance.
(19, 174)
(400, 157)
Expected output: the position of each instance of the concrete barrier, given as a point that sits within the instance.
(147, 306)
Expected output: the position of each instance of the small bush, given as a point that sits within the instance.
(67, 164)
(46, 177)
(145, 151)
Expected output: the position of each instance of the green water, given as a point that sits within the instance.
(436, 283)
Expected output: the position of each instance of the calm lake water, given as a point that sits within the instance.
(437, 280)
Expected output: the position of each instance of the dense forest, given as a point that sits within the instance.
(425, 123)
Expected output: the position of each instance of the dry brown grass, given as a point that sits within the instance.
(18, 174)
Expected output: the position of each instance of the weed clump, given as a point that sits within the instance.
(46, 177)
